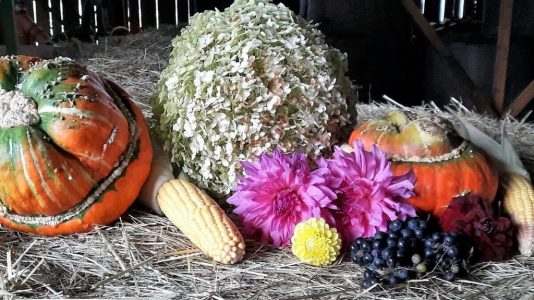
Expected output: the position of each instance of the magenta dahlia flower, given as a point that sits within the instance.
(278, 192)
(368, 194)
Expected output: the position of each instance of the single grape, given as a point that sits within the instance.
(407, 233)
(368, 258)
(379, 235)
(354, 257)
(394, 235)
(392, 262)
(395, 225)
(421, 268)
(388, 252)
(416, 258)
(449, 276)
(419, 232)
(392, 242)
(452, 251)
(402, 273)
(366, 245)
(367, 274)
(449, 239)
(379, 262)
(402, 243)
(455, 268)
(429, 252)
(429, 243)
(436, 237)
(373, 280)
(378, 244)
(392, 279)
(422, 224)
(413, 223)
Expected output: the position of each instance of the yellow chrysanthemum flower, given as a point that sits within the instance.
(315, 243)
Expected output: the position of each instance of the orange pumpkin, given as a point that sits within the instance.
(74, 148)
(445, 165)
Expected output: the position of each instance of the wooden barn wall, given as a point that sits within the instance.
(58, 17)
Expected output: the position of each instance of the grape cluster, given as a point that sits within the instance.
(411, 249)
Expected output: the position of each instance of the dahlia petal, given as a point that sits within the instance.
(369, 195)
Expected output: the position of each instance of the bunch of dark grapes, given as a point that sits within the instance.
(411, 249)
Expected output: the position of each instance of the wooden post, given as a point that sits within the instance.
(183, 9)
(522, 100)
(56, 17)
(70, 15)
(481, 101)
(7, 17)
(42, 16)
(148, 12)
(135, 18)
(501, 57)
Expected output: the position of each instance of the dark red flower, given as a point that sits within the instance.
(493, 237)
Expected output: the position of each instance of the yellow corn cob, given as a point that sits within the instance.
(519, 204)
(202, 220)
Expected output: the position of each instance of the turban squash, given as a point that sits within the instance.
(74, 148)
(444, 164)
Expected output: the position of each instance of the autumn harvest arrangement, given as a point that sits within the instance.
(255, 113)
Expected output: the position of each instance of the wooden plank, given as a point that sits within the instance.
(56, 17)
(501, 57)
(183, 10)
(166, 12)
(522, 100)
(42, 16)
(7, 17)
(148, 10)
(117, 13)
(28, 6)
(135, 26)
(46, 51)
(71, 18)
(192, 8)
(481, 101)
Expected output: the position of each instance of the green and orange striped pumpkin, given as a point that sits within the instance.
(74, 148)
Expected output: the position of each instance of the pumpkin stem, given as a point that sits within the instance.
(397, 118)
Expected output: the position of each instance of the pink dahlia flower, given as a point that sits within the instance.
(278, 192)
(368, 194)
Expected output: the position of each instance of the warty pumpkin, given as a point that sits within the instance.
(74, 148)
(445, 165)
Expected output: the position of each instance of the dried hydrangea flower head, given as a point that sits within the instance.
(246, 80)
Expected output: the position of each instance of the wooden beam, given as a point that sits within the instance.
(501, 57)
(481, 101)
(522, 100)
(56, 17)
(7, 17)
(42, 16)
(47, 51)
